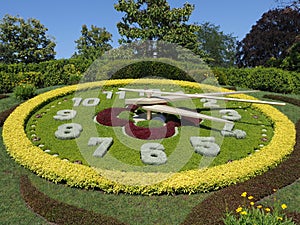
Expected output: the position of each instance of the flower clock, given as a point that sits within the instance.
(119, 137)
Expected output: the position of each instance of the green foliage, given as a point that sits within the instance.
(264, 79)
(220, 48)
(43, 74)
(93, 43)
(292, 61)
(34, 78)
(113, 67)
(251, 214)
(257, 216)
(155, 20)
(24, 41)
(24, 91)
(151, 69)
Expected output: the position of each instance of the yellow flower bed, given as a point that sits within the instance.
(192, 181)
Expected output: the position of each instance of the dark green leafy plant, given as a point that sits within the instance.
(24, 91)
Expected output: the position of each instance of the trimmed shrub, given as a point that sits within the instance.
(153, 69)
(24, 91)
(7, 82)
(265, 79)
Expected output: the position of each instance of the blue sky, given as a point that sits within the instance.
(64, 18)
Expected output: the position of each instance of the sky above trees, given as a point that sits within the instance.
(64, 19)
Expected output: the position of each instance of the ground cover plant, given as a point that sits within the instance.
(43, 185)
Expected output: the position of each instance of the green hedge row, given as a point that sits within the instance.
(70, 71)
(44, 74)
(151, 69)
(264, 79)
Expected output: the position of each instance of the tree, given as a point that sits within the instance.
(93, 43)
(289, 3)
(270, 38)
(292, 61)
(24, 41)
(219, 47)
(154, 20)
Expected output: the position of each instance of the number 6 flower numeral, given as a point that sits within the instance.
(153, 154)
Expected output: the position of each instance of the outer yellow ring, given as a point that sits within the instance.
(202, 180)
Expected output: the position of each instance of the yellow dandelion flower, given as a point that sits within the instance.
(244, 194)
(267, 209)
(279, 218)
(259, 206)
(244, 213)
(239, 209)
(283, 206)
(250, 197)
(251, 203)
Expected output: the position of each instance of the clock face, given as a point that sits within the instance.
(98, 128)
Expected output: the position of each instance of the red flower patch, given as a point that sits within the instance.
(151, 133)
(109, 117)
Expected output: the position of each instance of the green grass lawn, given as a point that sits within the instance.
(252, 122)
(126, 208)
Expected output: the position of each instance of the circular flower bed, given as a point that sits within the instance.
(199, 180)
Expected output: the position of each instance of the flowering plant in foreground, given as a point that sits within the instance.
(253, 214)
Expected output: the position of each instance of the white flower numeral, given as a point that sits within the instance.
(153, 154)
(210, 103)
(205, 146)
(104, 144)
(86, 102)
(230, 114)
(66, 114)
(108, 94)
(121, 94)
(68, 131)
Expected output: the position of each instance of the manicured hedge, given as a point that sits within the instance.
(264, 79)
(70, 71)
(151, 69)
(44, 74)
